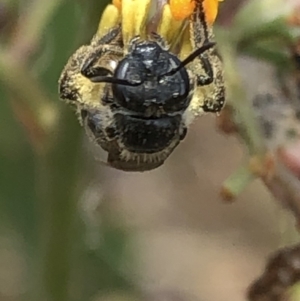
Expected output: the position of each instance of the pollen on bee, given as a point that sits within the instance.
(181, 9)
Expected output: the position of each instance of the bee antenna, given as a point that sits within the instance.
(191, 57)
(113, 80)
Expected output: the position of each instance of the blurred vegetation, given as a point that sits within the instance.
(41, 160)
(43, 171)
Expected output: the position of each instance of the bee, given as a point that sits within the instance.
(137, 99)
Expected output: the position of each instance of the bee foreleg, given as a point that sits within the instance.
(93, 67)
(208, 76)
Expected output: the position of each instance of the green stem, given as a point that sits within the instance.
(60, 186)
(237, 182)
(58, 172)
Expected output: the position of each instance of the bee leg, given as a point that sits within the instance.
(208, 77)
(93, 73)
(208, 66)
(91, 68)
(214, 100)
(113, 37)
(217, 105)
(209, 73)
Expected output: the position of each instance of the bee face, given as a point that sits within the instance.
(155, 91)
(136, 101)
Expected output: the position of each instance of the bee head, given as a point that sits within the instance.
(150, 80)
(147, 66)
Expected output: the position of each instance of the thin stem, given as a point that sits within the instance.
(58, 173)
(237, 182)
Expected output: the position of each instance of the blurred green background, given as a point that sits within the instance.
(42, 167)
(73, 230)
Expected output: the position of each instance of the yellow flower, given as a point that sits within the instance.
(117, 3)
(182, 9)
(136, 15)
(211, 10)
(132, 13)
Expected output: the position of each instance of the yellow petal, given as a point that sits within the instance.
(211, 10)
(117, 3)
(169, 27)
(181, 9)
(109, 19)
(134, 14)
